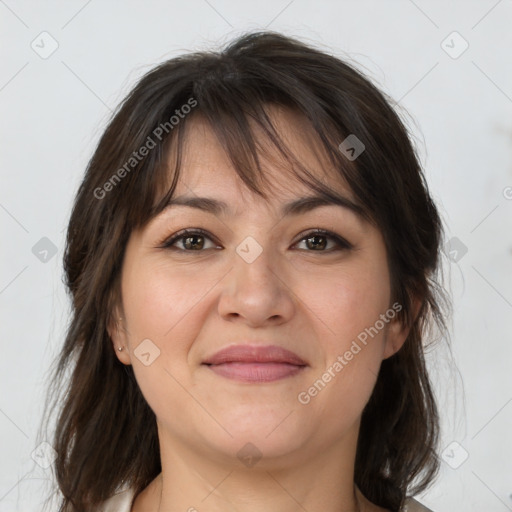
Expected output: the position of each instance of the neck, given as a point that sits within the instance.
(356, 502)
(192, 480)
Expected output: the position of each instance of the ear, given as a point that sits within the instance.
(118, 335)
(397, 332)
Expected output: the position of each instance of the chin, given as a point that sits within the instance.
(270, 438)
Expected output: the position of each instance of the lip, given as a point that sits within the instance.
(255, 363)
(255, 354)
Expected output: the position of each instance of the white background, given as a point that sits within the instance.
(54, 109)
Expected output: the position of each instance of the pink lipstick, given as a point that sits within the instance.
(253, 363)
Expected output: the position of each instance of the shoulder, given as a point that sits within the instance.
(121, 501)
(411, 505)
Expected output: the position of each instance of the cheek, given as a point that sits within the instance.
(158, 299)
(167, 305)
(346, 308)
(161, 304)
(346, 302)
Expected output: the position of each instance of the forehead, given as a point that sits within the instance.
(208, 181)
(206, 166)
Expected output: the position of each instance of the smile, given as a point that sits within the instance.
(256, 372)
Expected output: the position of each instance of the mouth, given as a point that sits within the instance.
(256, 372)
(252, 363)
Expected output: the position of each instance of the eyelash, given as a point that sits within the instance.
(167, 243)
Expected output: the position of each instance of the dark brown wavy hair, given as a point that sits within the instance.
(105, 433)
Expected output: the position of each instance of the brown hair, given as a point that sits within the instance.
(105, 433)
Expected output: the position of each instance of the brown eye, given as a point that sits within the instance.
(195, 240)
(317, 241)
(188, 240)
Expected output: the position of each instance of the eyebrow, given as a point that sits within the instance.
(295, 207)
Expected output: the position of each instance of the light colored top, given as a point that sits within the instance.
(122, 502)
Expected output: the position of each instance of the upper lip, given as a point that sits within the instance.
(254, 354)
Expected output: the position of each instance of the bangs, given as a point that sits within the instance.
(241, 118)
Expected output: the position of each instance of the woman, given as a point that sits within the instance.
(252, 259)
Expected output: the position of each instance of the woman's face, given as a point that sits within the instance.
(257, 277)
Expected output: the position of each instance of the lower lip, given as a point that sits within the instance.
(256, 372)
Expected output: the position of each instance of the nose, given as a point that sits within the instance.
(257, 291)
